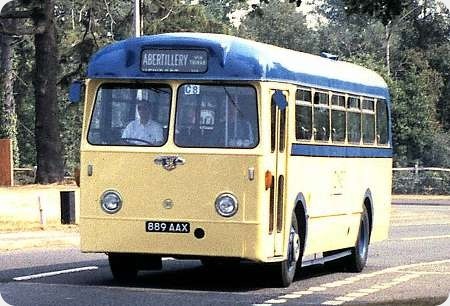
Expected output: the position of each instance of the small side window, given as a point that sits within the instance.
(338, 125)
(338, 118)
(303, 114)
(368, 126)
(303, 122)
(382, 122)
(321, 120)
(338, 100)
(321, 98)
(354, 120)
(368, 121)
(303, 95)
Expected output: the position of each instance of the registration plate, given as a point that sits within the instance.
(167, 227)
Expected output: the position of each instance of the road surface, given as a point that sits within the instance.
(411, 268)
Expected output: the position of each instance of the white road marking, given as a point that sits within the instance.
(357, 294)
(345, 298)
(276, 301)
(290, 296)
(424, 238)
(3, 302)
(365, 291)
(47, 274)
(317, 289)
(370, 290)
(304, 292)
(333, 302)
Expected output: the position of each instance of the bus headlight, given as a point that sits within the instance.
(111, 201)
(226, 205)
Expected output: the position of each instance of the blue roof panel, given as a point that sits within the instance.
(233, 58)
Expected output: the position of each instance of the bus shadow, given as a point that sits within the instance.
(192, 275)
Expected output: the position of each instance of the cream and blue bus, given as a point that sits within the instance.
(245, 151)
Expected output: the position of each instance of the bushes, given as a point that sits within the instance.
(430, 182)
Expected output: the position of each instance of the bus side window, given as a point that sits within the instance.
(382, 122)
(368, 121)
(303, 115)
(321, 120)
(338, 118)
(353, 120)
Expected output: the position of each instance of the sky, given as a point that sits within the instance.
(447, 3)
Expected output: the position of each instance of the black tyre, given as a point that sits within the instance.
(358, 259)
(285, 270)
(123, 267)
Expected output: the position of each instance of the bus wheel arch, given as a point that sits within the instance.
(302, 221)
(368, 205)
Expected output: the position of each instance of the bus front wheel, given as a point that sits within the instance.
(123, 267)
(286, 269)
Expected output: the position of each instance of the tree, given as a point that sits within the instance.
(8, 118)
(349, 36)
(176, 16)
(384, 10)
(280, 25)
(47, 131)
(414, 110)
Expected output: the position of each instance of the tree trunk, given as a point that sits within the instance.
(50, 168)
(8, 116)
(388, 48)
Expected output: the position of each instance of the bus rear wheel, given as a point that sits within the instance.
(286, 269)
(123, 267)
(358, 258)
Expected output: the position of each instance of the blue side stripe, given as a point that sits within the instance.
(339, 151)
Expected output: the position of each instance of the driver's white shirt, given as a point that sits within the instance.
(151, 131)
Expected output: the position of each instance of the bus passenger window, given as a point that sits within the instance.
(368, 121)
(338, 118)
(382, 122)
(303, 122)
(216, 116)
(368, 125)
(353, 120)
(321, 120)
(302, 95)
(303, 114)
(338, 125)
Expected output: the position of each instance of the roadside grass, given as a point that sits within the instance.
(18, 226)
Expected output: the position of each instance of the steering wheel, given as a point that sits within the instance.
(130, 140)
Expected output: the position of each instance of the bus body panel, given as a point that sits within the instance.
(192, 188)
(334, 190)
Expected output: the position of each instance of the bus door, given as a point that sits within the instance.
(278, 152)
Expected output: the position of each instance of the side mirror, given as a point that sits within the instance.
(75, 91)
(280, 99)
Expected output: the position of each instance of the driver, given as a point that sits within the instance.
(144, 128)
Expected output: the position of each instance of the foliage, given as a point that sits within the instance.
(385, 10)
(421, 182)
(407, 42)
(278, 24)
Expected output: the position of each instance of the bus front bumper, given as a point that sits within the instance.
(221, 239)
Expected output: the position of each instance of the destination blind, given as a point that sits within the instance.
(167, 60)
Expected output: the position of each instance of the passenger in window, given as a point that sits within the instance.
(143, 130)
(236, 130)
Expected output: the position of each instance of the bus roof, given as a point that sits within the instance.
(236, 59)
